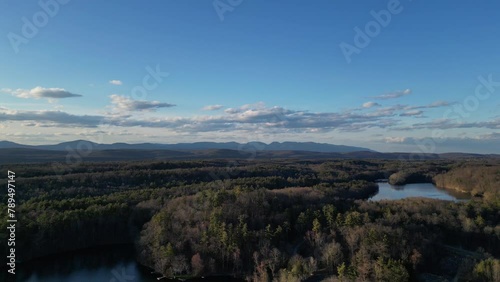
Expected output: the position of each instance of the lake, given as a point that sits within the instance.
(426, 190)
(107, 264)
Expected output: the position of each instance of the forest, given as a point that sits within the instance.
(267, 220)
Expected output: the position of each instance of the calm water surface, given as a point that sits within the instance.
(426, 190)
(106, 264)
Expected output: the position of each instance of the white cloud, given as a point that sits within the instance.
(368, 105)
(436, 104)
(231, 111)
(395, 139)
(213, 107)
(393, 95)
(40, 92)
(484, 144)
(439, 104)
(53, 118)
(116, 82)
(412, 113)
(450, 124)
(122, 103)
(490, 136)
(271, 122)
(247, 118)
(408, 110)
(246, 107)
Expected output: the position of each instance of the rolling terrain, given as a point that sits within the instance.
(77, 151)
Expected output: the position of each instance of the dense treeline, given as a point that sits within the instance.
(292, 233)
(476, 180)
(102, 203)
(51, 226)
(272, 220)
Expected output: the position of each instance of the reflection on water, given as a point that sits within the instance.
(426, 190)
(109, 264)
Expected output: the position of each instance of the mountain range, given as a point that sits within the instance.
(250, 146)
(80, 150)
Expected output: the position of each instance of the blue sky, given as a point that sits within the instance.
(255, 70)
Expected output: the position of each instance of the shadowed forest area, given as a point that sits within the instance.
(268, 220)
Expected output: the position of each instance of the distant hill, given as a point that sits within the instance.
(11, 145)
(251, 146)
(28, 155)
(11, 152)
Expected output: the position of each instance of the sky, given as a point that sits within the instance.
(391, 76)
